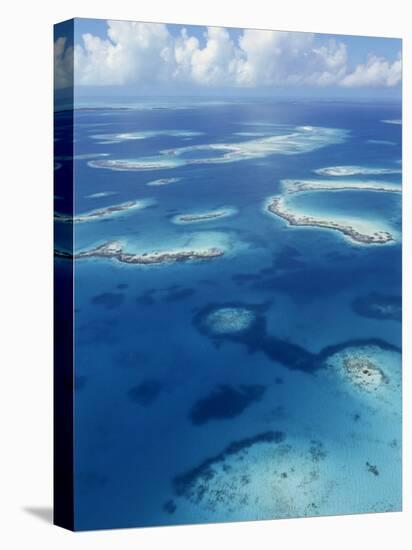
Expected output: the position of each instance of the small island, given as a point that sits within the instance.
(99, 213)
(114, 250)
(162, 181)
(64, 254)
(147, 163)
(300, 186)
(203, 216)
(340, 171)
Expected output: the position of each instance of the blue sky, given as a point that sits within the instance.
(130, 58)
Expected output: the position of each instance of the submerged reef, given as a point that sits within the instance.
(362, 371)
(225, 402)
(246, 324)
(267, 475)
(370, 369)
(378, 306)
(185, 483)
(301, 139)
(131, 136)
(380, 142)
(114, 250)
(228, 320)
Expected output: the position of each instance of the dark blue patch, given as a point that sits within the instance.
(170, 506)
(225, 402)
(179, 294)
(146, 393)
(131, 358)
(80, 382)
(109, 300)
(145, 299)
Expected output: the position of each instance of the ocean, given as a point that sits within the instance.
(260, 383)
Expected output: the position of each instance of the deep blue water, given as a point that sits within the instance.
(144, 360)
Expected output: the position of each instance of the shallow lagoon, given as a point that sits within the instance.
(347, 206)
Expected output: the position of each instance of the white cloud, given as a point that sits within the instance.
(133, 52)
(290, 58)
(63, 64)
(147, 53)
(377, 71)
(216, 63)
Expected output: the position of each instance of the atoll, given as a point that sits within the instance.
(278, 205)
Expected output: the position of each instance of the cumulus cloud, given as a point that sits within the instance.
(377, 71)
(63, 64)
(148, 53)
(216, 63)
(133, 52)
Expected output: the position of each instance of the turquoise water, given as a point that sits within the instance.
(286, 429)
(383, 212)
